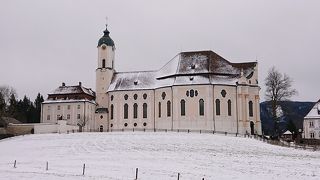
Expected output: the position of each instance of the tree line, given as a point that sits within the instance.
(24, 109)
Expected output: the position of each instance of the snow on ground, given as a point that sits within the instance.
(158, 155)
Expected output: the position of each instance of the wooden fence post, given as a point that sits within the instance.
(178, 176)
(47, 166)
(83, 169)
(15, 164)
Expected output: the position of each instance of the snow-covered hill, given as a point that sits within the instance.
(157, 155)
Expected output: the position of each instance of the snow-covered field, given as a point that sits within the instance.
(157, 155)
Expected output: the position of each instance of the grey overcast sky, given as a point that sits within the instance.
(45, 43)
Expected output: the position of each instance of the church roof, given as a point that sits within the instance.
(187, 68)
(106, 39)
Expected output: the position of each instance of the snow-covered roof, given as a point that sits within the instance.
(72, 90)
(287, 133)
(314, 113)
(48, 101)
(187, 68)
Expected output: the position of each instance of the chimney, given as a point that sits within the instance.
(63, 84)
(80, 84)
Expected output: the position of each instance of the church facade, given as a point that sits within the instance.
(197, 90)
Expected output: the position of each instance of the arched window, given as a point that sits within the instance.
(217, 107)
(125, 111)
(168, 108)
(135, 110)
(250, 109)
(183, 107)
(159, 109)
(229, 107)
(201, 107)
(111, 113)
(145, 110)
(103, 63)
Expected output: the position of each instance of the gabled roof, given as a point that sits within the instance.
(4, 121)
(287, 133)
(314, 113)
(186, 68)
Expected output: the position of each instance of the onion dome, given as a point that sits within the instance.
(106, 39)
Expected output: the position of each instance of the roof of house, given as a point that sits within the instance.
(4, 121)
(314, 113)
(79, 89)
(187, 68)
(287, 133)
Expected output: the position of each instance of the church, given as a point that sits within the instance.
(198, 90)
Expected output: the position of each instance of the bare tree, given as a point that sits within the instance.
(6, 92)
(82, 122)
(278, 88)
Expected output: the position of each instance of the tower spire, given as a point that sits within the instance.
(106, 32)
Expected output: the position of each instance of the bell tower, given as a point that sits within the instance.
(105, 69)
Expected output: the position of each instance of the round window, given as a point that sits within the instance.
(163, 95)
(111, 125)
(135, 124)
(223, 93)
(101, 117)
(144, 96)
(125, 124)
(144, 124)
(126, 97)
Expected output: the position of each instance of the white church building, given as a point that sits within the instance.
(197, 90)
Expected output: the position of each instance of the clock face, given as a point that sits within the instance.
(104, 47)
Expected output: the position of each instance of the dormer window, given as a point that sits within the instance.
(191, 78)
(135, 82)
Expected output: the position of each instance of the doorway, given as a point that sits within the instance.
(252, 127)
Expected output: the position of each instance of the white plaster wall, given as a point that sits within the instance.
(108, 54)
(224, 122)
(86, 111)
(104, 75)
(245, 94)
(42, 128)
(192, 120)
(163, 122)
(315, 129)
(118, 102)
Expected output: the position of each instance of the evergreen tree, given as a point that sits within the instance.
(2, 105)
(292, 128)
(37, 104)
(12, 108)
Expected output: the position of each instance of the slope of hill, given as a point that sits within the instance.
(157, 155)
(291, 110)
